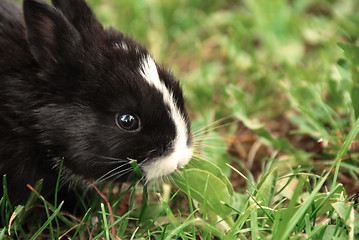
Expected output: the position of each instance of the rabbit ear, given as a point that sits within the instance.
(79, 14)
(51, 37)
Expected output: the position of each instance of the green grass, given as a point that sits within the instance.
(272, 89)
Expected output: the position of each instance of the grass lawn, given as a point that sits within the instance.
(272, 87)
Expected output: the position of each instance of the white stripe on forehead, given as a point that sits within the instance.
(148, 71)
(182, 153)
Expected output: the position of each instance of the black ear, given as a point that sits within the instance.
(80, 15)
(51, 37)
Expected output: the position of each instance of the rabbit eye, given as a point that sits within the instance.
(127, 122)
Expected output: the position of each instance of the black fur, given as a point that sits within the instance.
(62, 82)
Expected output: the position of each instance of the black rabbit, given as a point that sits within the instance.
(72, 90)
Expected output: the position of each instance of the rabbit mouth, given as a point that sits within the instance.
(163, 166)
(178, 156)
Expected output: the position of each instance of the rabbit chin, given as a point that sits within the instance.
(165, 165)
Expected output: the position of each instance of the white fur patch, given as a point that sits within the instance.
(182, 153)
(121, 45)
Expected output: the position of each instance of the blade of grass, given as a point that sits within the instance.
(48, 215)
(163, 232)
(169, 212)
(351, 223)
(17, 211)
(144, 203)
(180, 228)
(134, 233)
(343, 150)
(116, 223)
(308, 225)
(288, 212)
(136, 169)
(2, 233)
(316, 230)
(254, 224)
(239, 223)
(204, 210)
(33, 196)
(6, 206)
(248, 181)
(329, 195)
(113, 229)
(104, 219)
(189, 199)
(260, 206)
(55, 202)
(42, 228)
(131, 207)
(296, 171)
(58, 182)
(15, 216)
(51, 207)
(80, 224)
(277, 216)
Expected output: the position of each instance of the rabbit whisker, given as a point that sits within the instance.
(106, 175)
(120, 174)
(110, 158)
(212, 126)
